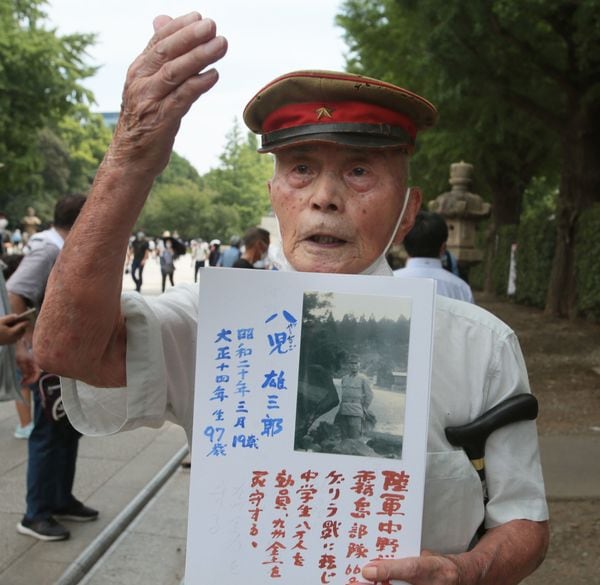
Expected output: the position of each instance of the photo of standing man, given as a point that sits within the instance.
(356, 399)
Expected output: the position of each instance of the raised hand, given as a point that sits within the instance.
(161, 85)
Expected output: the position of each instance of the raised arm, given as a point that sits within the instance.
(81, 332)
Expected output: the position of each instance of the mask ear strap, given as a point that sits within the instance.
(400, 218)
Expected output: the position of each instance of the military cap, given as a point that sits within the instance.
(344, 108)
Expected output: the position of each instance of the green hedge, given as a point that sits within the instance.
(536, 240)
(536, 237)
(587, 264)
(505, 237)
(477, 272)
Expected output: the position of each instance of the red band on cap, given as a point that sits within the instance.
(292, 115)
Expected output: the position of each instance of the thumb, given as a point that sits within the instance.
(382, 571)
(377, 572)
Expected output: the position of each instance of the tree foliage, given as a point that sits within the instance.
(40, 85)
(517, 83)
(224, 202)
(240, 182)
(424, 49)
(381, 344)
(86, 138)
(51, 143)
(177, 202)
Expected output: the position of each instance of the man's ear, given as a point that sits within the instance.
(413, 207)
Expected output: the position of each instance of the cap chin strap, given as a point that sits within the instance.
(379, 268)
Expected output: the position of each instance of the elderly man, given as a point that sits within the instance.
(339, 192)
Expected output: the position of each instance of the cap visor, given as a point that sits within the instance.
(356, 140)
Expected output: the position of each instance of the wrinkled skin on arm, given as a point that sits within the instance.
(80, 332)
(504, 556)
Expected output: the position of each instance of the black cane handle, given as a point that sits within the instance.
(472, 436)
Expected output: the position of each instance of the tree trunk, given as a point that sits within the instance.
(507, 202)
(579, 190)
(490, 259)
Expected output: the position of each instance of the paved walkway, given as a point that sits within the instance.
(151, 277)
(111, 471)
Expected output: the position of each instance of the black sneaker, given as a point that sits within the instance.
(46, 529)
(77, 512)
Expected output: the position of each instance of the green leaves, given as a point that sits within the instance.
(517, 85)
(40, 85)
(224, 202)
(240, 182)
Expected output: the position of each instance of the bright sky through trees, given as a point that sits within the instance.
(266, 38)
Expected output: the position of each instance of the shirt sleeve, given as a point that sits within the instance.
(161, 357)
(513, 469)
(30, 278)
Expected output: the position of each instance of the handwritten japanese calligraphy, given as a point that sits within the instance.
(235, 354)
(344, 546)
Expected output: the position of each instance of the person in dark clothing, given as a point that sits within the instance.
(215, 253)
(256, 243)
(167, 264)
(139, 249)
(53, 441)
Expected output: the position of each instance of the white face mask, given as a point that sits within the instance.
(3, 223)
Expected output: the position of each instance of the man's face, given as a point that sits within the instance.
(353, 367)
(337, 206)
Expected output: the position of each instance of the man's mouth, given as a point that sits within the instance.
(325, 240)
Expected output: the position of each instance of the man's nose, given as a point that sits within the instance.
(328, 193)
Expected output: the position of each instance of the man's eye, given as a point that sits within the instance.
(359, 171)
(301, 169)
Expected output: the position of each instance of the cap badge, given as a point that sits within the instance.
(324, 112)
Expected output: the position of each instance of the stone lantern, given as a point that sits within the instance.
(462, 210)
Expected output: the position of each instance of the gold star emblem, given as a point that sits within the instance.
(324, 112)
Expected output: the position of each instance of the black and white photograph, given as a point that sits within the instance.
(352, 374)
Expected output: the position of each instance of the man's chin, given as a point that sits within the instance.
(330, 262)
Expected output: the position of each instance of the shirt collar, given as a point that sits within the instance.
(424, 263)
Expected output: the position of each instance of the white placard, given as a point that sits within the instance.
(280, 490)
